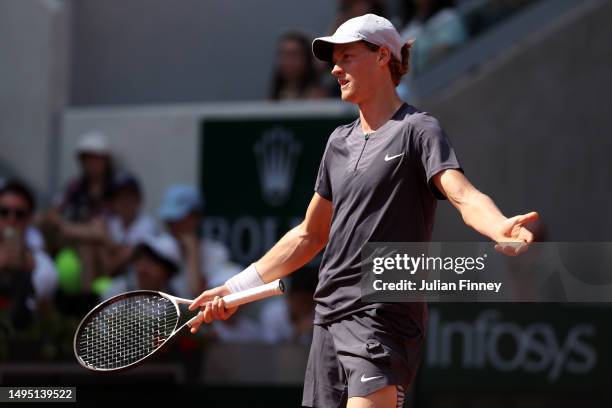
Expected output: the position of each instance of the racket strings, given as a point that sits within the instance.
(126, 331)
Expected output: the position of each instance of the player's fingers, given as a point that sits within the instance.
(508, 248)
(200, 300)
(211, 310)
(224, 312)
(526, 235)
(204, 297)
(527, 218)
(207, 313)
(516, 248)
(519, 248)
(196, 325)
(522, 249)
(218, 308)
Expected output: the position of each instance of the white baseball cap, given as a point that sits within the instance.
(165, 247)
(369, 27)
(93, 142)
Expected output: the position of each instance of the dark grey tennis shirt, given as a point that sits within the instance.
(381, 189)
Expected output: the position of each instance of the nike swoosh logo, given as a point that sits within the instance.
(366, 379)
(387, 157)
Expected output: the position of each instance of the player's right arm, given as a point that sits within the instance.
(296, 248)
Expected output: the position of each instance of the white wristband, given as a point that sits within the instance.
(247, 279)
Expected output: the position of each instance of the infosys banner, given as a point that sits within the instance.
(258, 177)
(518, 348)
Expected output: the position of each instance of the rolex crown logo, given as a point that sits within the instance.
(276, 154)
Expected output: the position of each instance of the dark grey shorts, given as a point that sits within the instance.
(359, 355)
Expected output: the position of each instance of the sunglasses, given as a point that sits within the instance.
(19, 214)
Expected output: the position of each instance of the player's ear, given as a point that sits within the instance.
(383, 56)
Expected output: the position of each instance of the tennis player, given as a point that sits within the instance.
(378, 180)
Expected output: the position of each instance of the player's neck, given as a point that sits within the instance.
(378, 109)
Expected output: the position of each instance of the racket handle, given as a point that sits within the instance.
(250, 295)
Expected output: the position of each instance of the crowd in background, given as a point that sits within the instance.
(436, 27)
(96, 241)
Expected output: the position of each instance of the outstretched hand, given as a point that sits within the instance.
(514, 238)
(212, 307)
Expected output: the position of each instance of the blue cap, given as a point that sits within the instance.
(179, 201)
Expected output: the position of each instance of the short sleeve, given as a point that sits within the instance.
(323, 182)
(436, 151)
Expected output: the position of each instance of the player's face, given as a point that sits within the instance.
(356, 69)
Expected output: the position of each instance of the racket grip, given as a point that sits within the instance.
(250, 295)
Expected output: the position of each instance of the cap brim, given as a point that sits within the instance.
(93, 152)
(144, 246)
(323, 47)
(172, 213)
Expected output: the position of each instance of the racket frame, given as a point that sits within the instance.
(235, 299)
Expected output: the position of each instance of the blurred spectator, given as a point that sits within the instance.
(290, 317)
(437, 29)
(34, 238)
(491, 12)
(153, 263)
(348, 9)
(244, 330)
(206, 262)
(295, 76)
(89, 194)
(127, 225)
(28, 279)
(79, 217)
(301, 304)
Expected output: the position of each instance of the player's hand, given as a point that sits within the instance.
(212, 307)
(514, 238)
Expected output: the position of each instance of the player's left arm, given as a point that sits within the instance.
(480, 212)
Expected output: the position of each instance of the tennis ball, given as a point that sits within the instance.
(101, 284)
(69, 268)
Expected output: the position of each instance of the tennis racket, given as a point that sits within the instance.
(126, 329)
